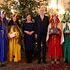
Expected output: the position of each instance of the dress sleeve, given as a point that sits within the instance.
(62, 37)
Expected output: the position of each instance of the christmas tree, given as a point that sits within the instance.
(22, 6)
(26, 6)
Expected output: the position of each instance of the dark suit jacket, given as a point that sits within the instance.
(45, 23)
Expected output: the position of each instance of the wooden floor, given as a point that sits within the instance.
(35, 66)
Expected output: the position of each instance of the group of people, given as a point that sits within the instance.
(51, 35)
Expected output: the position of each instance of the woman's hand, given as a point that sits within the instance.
(12, 35)
(29, 32)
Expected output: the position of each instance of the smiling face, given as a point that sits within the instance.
(29, 18)
(14, 18)
(66, 16)
(42, 10)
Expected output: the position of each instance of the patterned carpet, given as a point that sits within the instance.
(35, 66)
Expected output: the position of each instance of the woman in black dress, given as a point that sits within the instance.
(29, 38)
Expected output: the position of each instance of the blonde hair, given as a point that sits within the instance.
(18, 30)
(42, 7)
(15, 28)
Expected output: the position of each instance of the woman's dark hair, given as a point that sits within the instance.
(27, 15)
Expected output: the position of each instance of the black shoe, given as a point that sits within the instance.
(39, 62)
(44, 62)
(66, 61)
(2, 64)
(29, 61)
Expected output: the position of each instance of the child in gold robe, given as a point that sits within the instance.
(14, 46)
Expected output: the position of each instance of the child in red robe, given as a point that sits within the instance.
(54, 39)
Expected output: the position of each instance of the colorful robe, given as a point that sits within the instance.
(66, 44)
(14, 46)
(54, 38)
(66, 31)
(3, 43)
